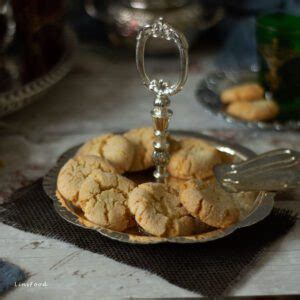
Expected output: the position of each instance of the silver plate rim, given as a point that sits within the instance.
(262, 210)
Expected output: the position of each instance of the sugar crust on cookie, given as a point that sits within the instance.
(158, 211)
(113, 147)
(211, 204)
(103, 198)
(75, 170)
(194, 159)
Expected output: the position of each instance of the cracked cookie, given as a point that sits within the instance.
(158, 211)
(194, 159)
(103, 198)
(73, 173)
(142, 139)
(113, 147)
(243, 92)
(209, 203)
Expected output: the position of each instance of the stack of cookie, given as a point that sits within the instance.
(247, 102)
(96, 181)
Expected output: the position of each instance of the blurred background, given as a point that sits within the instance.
(42, 40)
(228, 25)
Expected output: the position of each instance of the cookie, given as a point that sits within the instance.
(194, 159)
(158, 211)
(176, 183)
(142, 139)
(243, 92)
(261, 110)
(113, 147)
(73, 173)
(103, 198)
(210, 203)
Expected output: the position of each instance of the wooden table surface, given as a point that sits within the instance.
(104, 93)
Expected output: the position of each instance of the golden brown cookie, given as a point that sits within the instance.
(158, 211)
(243, 92)
(113, 147)
(176, 183)
(142, 139)
(261, 110)
(211, 204)
(75, 171)
(103, 198)
(194, 159)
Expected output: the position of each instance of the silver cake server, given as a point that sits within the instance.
(277, 170)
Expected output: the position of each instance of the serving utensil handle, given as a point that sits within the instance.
(161, 114)
(276, 170)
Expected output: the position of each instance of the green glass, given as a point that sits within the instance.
(278, 45)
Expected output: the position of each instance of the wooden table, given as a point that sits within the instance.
(87, 103)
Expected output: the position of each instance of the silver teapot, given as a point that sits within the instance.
(125, 18)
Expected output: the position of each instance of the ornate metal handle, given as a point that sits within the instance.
(271, 171)
(162, 30)
(161, 113)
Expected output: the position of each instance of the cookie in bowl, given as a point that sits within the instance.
(260, 110)
(209, 203)
(193, 159)
(158, 211)
(142, 140)
(242, 93)
(73, 173)
(103, 198)
(115, 148)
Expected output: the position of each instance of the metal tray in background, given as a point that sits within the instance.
(208, 95)
(22, 94)
(263, 203)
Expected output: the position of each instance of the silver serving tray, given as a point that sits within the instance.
(209, 89)
(263, 204)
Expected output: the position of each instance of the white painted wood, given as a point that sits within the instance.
(87, 103)
(69, 271)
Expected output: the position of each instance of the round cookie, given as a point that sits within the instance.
(194, 159)
(261, 110)
(158, 211)
(243, 92)
(142, 139)
(210, 203)
(113, 147)
(73, 173)
(103, 198)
